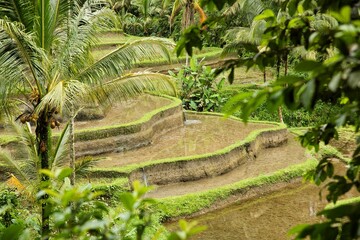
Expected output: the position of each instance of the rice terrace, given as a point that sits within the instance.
(185, 119)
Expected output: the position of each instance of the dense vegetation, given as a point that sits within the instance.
(305, 53)
(329, 32)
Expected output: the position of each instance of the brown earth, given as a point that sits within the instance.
(119, 113)
(127, 111)
(267, 161)
(210, 135)
(266, 212)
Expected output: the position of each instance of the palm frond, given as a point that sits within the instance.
(250, 8)
(15, 166)
(115, 63)
(64, 93)
(21, 11)
(237, 34)
(54, 98)
(72, 52)
(83, 165)
(130, 85)
(61, 148)
(14, 182)
(32, 163)
(177, 6)
(23, 47)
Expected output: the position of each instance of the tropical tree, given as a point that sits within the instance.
(148, 9)
(46, 66)
(335, 72)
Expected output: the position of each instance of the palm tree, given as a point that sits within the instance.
(46, 66)
(148, 8)
(188, 8)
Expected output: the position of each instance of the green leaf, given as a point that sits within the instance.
(330, 170)
(218, 3)
(290, 80)
(353, 79)
(128, 200)
(193, 105)
(47, 172)
(308, 66)
(292, 7)
(297, 229)
(296, 23)
(12, 232)
(335, 81)
(62, 173)
(189, 39)
(344, 16)
(267, 14)
(308, 94)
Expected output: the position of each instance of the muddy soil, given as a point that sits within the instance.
(126, 112)
(119, 113)
(268, 160)
(269, 217)
(212, 134)
(346, 143)
(264, 217)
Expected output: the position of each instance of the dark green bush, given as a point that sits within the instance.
(299, 118)
(199, 89)
(8, 205)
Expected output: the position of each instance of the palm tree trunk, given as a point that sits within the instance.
(264, 72)
(43, 146)
(72, 113)
(188, 19)
(286, 64)
(72, 147)
(281, 119)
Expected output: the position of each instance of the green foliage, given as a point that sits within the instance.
(297, 118)
(76, 213)
(8, 204)
(195, 202)
(199, 89)
(330, 31)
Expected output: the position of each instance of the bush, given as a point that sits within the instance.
(199, 89)
(298, 118)
(8, 205)
(77, 213)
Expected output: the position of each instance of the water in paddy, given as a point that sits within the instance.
(127, 111)
(118, 113)
(267, 217)
(208, 135)
(267, 161)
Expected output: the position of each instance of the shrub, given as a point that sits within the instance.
(8, 205)
(199, 89)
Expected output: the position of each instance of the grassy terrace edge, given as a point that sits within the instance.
(185, 205)
(123, 171)
(127, 128)
(112, 130)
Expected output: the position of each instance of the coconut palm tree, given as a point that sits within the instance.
(46, 67)
(188, 9)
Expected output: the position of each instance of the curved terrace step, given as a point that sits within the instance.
(141, 132)
(162, 163)
(265, 162)
(125, 126)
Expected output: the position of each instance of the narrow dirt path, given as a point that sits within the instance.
(269, 160)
